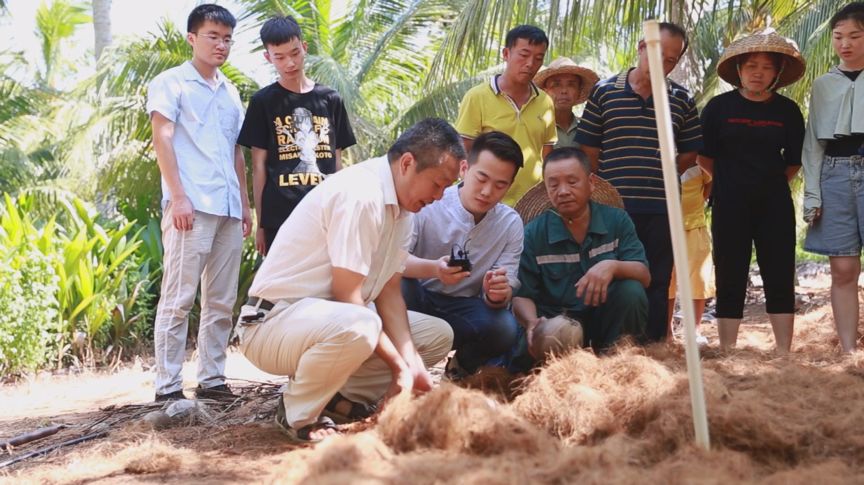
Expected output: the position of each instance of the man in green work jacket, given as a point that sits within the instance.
(581, 259)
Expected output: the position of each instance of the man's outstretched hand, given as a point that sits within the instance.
(592, 286)
(450, 275)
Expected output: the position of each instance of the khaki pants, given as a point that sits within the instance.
(210, 252)
(328, 347)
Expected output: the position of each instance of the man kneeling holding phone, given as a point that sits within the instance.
(465, 252)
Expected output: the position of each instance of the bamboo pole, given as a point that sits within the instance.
(676, 226)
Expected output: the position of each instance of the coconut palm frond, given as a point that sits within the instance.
(16, 101)
(56, 22)
(314, 18)
(442, 102)
(473, 42)
(244, 84)
(809, 28)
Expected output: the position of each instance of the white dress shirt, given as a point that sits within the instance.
(207, 120)
(351, 221)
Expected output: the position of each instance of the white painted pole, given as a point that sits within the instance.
(676, 225)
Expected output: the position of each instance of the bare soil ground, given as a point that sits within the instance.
(620, 419)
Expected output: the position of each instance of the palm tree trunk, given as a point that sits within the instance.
(102, 25)
(684, 73)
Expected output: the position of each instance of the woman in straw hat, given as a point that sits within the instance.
(753, 139)
(834, 166)
(568, 84)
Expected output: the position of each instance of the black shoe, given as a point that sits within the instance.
(453, 371)
(221, 391)
(171, 396)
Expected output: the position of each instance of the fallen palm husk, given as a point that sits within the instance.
(35, 435)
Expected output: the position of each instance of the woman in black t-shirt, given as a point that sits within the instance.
(752, 146)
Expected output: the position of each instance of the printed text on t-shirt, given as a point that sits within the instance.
(755, 123)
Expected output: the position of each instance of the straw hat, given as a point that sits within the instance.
(535, 201)
(564, 65)
(766, 41)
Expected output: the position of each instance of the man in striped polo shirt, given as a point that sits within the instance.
(618, 132)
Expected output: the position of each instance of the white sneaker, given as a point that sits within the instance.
(701, 340)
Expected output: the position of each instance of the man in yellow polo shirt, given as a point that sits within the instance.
(511, 103)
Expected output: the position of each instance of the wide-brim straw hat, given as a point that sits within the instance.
(536, 200)
(564, 65)
(765, 41)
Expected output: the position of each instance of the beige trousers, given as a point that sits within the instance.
(210, 252)
(327, 347)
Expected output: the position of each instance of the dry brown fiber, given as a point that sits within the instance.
(618, 419)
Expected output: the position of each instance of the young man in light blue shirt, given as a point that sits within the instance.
(470, 219)
(196, 115)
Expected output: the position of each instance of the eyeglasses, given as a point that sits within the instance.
(215, 39)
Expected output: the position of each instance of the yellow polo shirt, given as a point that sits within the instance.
(486, 108)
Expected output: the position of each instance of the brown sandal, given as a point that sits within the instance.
(301, 435)
(356, 411)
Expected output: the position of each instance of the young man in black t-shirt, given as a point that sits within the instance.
(295, 128)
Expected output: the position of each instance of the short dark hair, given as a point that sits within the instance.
(534, 35)
(852, 11)
(280, 30)
(212, 12)
(676, 31)
(565, 153)
(499, 144)
(429, 140)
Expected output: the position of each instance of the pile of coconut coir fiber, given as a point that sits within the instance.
(623, 418)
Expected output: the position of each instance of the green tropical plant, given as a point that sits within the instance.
(93, 278)
(28, 314)
(250, 260)
(28, 284)
(95, 271)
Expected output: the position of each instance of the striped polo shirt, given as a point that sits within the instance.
(621, 123)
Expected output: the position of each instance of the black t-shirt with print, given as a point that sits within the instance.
(752, 143)
(301, 133)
